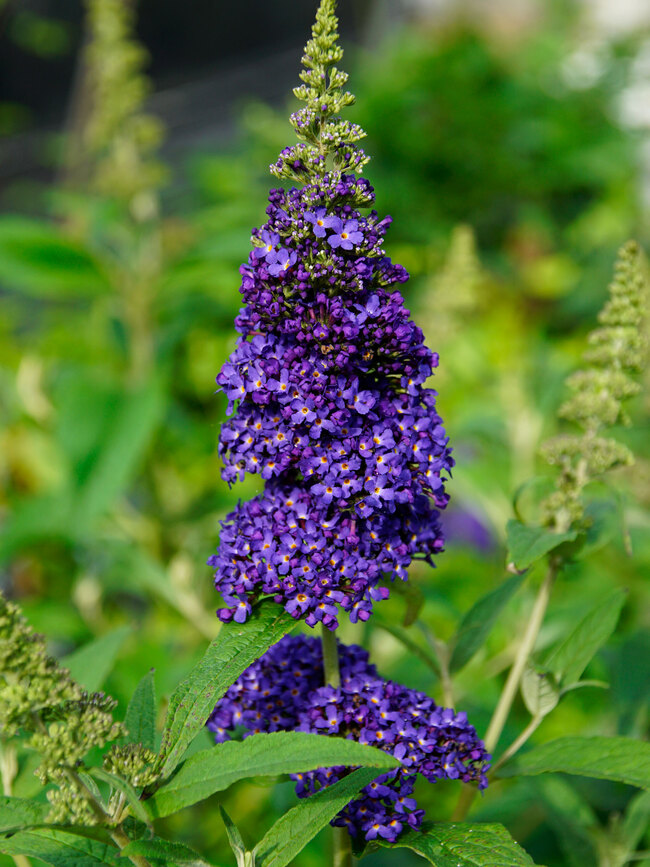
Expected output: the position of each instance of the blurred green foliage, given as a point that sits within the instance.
(117, 314)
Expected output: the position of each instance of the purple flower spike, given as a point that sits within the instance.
(346, 235)
(284, 691)
(328, 403)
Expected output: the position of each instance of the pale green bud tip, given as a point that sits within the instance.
(457, 286)
(616, 350)
(132, 762)
(119, 135)
(327, 144)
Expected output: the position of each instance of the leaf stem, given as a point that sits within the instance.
(341, 847)
(513, 680)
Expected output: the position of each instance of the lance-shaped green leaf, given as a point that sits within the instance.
(91, 664)
(463, 845)
(569, 659)
(260, 755)
(124, 442)
(61, 848)
(413, 597)
(539, 691)
(21, 813)
(158, 849)
(37, 259)
(426, 654)
(140, 719)
(624, 760)
(528, 544)
(477, 624)
(636, 821)
(570, 817)
(295, 829)
(235, 648)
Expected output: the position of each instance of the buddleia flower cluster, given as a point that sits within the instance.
(617, 349)
(285, 691)
(39, 697)
(327, 385)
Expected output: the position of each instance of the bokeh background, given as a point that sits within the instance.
(511, 144)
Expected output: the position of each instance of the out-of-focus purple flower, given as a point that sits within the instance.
(468, 528)
(284, 691)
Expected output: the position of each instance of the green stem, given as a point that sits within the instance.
(517, 744)
(117, 834)
(511, 686)
(342, 850)
(330, 658)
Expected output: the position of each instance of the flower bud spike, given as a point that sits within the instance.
(617, 350)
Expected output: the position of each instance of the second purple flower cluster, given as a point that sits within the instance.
(284, 691)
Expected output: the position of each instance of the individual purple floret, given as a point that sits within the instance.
(328, 388)
(284, 691)
(345, 235)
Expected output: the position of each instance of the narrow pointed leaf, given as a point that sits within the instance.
(464, 845)
(234, 838)
(232, 651)
(140, 719)
(260, 755)
(295, 829)
(570, 817)
(126, 439)
(91, 664)
(624, 760)
(36, 258)
(21, 813)
(528, 544)
(636, 821)
(402, 635)
(477, 624)
(158, 849)
(413, 597)
(569, 659)
(60, 848)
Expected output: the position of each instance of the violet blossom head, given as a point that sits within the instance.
(327, 389)
(284, 691)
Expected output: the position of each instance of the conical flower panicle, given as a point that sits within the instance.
(616, 350)
(327, 385)
(284, 691)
